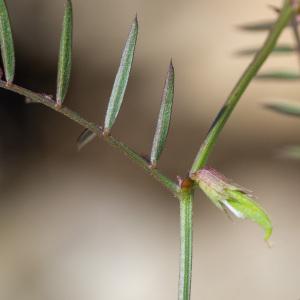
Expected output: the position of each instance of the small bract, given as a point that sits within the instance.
(232, 197)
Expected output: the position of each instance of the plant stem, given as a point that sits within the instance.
(139, 160)
(185, 196)
(286, 14)
(186, 244)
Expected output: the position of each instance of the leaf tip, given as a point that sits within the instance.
(267, 105)
(270, 106)
(268, 232)
(171, 66)
(69, 3)
(136, 21)
(274, 8)
(171, 74)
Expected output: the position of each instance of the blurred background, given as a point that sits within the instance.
(90, 225)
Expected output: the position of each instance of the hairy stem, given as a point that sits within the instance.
(185, 196)
(286, 15)
(186, 245)
(139, 160)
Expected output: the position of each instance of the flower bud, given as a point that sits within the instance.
(228, 196)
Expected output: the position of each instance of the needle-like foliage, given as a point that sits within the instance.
(65, 55)
(7, 44)
(121, 80)
(163, 123)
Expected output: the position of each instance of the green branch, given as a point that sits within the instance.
(286, 15)
(186, 244)
(184, 191)
(49, 102)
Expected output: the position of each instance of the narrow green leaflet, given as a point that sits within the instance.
(65, 55)
(229, 196)
(280, 49)
(86, 137)
(121, 80)
(285, 108)
(259, 26)
(7, 44)
(164, 117)
(279, 75)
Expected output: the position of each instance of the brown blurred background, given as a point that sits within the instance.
(90, 225)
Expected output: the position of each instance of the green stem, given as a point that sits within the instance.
(186, 245)
(185, 196)
(286, 14)
(139, 160)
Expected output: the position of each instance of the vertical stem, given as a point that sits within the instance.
(186, 240)
(286, 14)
